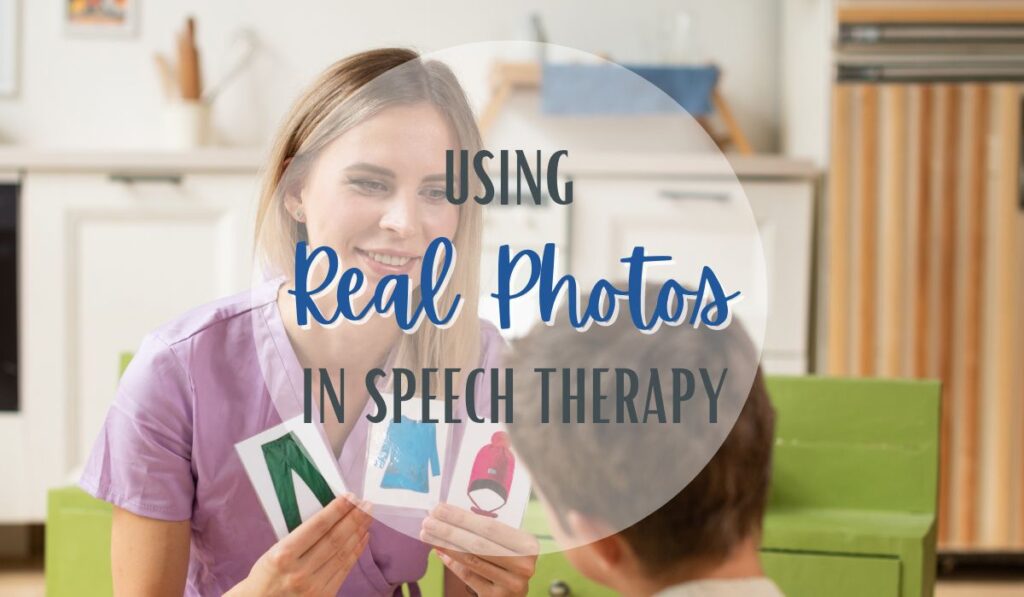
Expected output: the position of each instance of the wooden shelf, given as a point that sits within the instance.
(953, 12)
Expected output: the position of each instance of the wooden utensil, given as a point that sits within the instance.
(188, 63)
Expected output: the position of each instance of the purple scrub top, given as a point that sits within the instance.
(193, 390)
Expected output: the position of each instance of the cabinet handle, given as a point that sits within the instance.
(559, 588)
(146, 178)
(679, 195)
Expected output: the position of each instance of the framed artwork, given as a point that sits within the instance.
(8, 47)
(101, 17)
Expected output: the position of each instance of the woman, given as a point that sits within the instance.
(359, 167)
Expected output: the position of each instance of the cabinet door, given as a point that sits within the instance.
(801, 574)
(784, 211)
(105, 260)
(692, 220)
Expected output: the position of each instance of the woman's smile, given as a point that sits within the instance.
(384, 262)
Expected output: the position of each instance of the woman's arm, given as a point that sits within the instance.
(148, 556)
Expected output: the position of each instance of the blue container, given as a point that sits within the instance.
(609, 89)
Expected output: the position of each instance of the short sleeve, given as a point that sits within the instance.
(142, 459)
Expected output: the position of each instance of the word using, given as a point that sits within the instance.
(459, 193)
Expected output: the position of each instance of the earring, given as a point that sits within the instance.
(300, 215)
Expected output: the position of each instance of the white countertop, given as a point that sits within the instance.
(694, 165)
(212, 159)
(250, 160)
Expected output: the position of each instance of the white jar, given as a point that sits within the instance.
(186, 124)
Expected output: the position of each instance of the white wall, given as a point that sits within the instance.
(86, 93)
(805, 51)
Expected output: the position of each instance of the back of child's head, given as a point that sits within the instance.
(675, 490)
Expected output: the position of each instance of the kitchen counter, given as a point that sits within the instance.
(212, 159)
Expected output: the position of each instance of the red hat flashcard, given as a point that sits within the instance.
(486, 479)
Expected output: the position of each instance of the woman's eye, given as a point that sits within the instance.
(368, 186)
(435, 194)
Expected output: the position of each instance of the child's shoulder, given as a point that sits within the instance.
(759, 586)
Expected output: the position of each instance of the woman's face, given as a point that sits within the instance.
(376, 194)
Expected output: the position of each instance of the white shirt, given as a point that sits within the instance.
(724, 587)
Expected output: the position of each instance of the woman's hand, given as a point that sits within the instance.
(316, 557)
(492, 558)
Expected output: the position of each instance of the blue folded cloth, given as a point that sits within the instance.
(596, 89)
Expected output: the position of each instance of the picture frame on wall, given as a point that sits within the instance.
(9, 48)
(101, 18)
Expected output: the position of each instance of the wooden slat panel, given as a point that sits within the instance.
(923, 218)
(974, 222)
(894, 203)
(953, 258)
(867, 237)
(838, 215)
(913, 159)
(946, 299)
(1019, 391)
(1002, 344)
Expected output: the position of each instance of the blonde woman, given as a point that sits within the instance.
(358, 167)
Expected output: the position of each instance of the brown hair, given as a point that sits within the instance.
(609, 472)
(348, 92)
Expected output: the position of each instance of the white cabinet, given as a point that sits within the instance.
(521, 227)
(691, 219)
(105, 259)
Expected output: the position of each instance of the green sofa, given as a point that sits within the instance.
(852, 510)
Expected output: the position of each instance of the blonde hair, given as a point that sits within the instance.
(347, 93)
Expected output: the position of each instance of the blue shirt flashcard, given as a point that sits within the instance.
(410, 447)
(405, 458)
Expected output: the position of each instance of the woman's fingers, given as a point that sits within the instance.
(339, 541)
(455, 538)
(476, 582)
(511, 541)
(337, 572)
(496, 574)
(523, 566)
(489, 556)
(317, 554)
(309, 532)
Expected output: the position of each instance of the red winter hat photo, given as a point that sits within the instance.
(491, 477)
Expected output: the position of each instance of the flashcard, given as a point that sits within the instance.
(292, 471)
(404, 458)
(488, 478)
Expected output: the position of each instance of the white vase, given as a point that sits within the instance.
(186, 124)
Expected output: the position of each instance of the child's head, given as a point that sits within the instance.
(600, 483)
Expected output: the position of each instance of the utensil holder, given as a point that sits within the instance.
(186, 124)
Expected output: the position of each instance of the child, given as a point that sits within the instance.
(613, 491)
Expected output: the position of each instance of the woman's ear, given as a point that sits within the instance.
(293, 205)
(291, 192)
